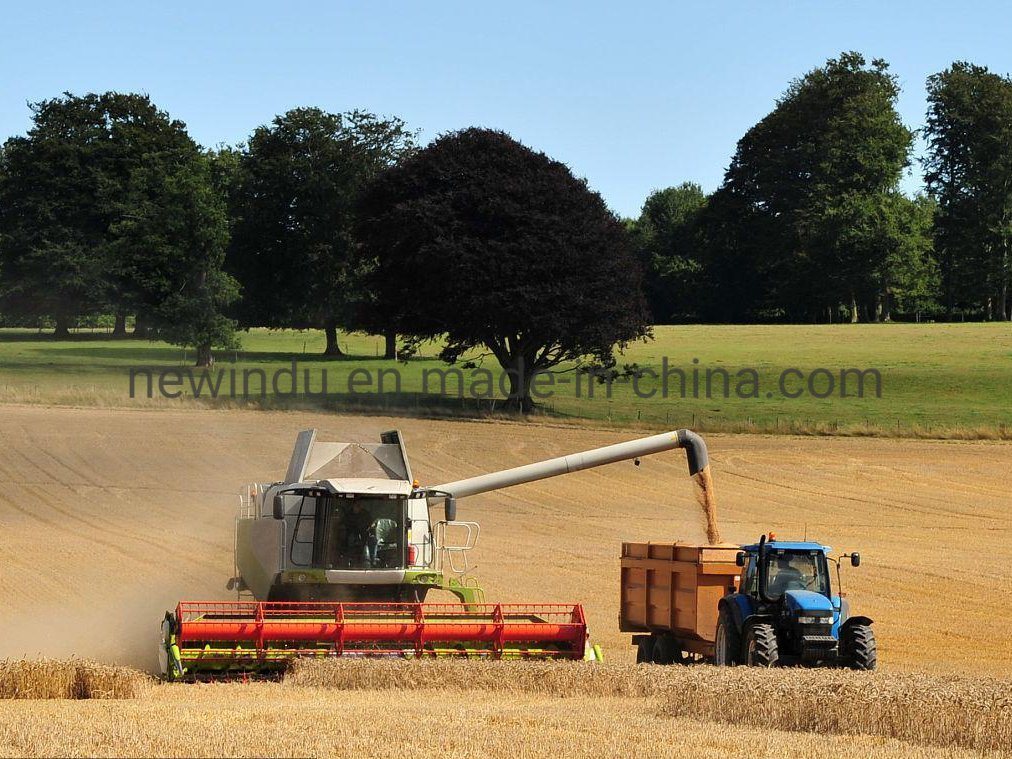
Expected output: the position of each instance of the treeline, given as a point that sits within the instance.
(110, 210)
(810, 224)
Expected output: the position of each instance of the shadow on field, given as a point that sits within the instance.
(143, 349)
(32, 336)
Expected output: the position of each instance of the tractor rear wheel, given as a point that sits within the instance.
(727, 645)
(859, 648)
(761, 646)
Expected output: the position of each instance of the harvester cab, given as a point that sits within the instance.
(787, 611)
(348, 523)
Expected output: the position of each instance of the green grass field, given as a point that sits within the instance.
(939, 380)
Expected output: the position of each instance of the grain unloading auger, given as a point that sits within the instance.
(336, 560)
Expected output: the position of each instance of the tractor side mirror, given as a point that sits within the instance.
(279, 506)
(739, 559)
(855, 559)
(450, 507)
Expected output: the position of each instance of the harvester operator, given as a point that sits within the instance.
(360, 535)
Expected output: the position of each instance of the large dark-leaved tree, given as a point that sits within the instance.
(484, 242)
(292, 198)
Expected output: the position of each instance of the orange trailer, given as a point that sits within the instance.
(669, 597)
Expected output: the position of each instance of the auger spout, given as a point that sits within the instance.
(574, 462)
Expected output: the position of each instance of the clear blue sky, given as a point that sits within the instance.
(633, 96)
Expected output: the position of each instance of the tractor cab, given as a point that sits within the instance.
(786, 566)
(787, 612)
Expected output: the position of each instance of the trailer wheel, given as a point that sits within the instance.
(645, 649)
(761, 646)
(727, 648)
(667, 651)
(859, 648)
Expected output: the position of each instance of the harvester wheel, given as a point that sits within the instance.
(727, 648)
(645, 650)
(761, 646)
(859, 648)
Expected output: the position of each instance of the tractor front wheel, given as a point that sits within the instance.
(727, 645)
(761, 646)
(859, 648)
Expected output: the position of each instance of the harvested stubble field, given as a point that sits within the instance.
(353, 708)
(111, 516)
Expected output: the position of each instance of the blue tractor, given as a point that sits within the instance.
(787, 612)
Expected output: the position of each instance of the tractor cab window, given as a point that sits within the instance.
(748, 583)
(365, 533)
(796, 570)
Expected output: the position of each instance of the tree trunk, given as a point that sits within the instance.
(332, 349)
(62, 331)
(1002, 308)
(520, 379)
(390, 349)
(887, 307)
(853, 309)
(141, 328)
(204, 356)
(119, 329)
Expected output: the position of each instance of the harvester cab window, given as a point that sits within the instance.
(796, 570)
(366, 533)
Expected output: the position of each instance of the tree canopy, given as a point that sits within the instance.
(969, 172)
(811, 188)
(293, 197)
(669, 244)
(482, 240)
(92, 201)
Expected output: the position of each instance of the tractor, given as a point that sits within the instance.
(786, 611)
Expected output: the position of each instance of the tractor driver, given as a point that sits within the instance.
(785, 576)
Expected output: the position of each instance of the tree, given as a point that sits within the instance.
(814, 175)
(180, 219)
(293, 201)
(667, 236)
(908, 274)
(64, 189)
(969, 173)
(482, 240)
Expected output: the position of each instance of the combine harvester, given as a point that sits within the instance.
(336, 560)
